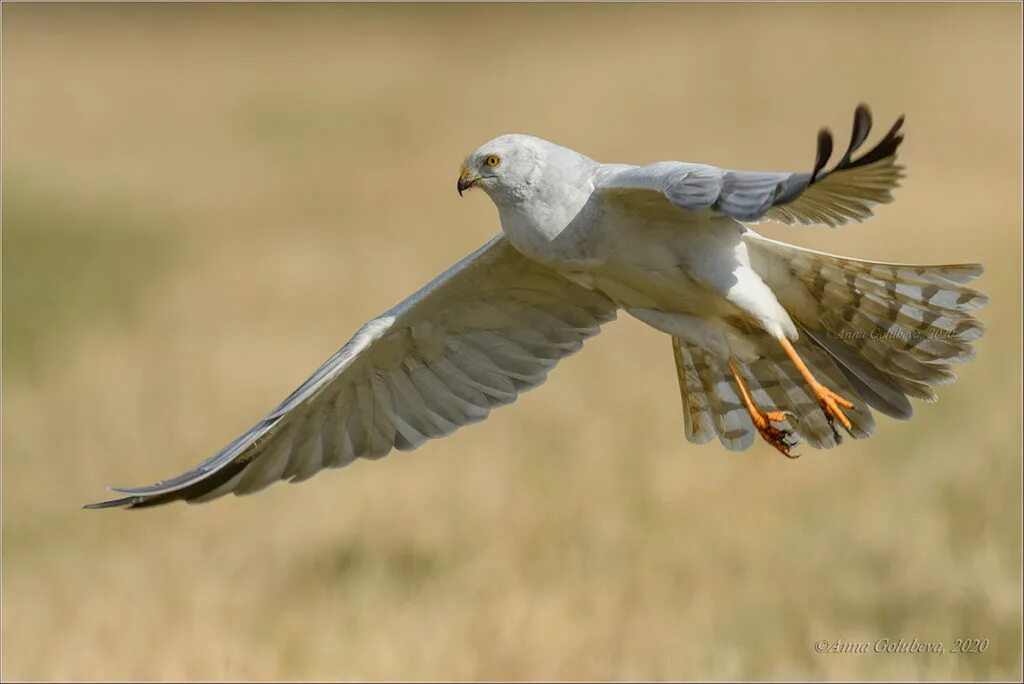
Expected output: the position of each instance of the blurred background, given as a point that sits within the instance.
(201, 203)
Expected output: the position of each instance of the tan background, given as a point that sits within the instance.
(202, 203)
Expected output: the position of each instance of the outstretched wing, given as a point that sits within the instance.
(476, 336)
(845, 193)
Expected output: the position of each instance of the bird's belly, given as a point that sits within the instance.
(671, 290)
(663, 265)
(655, 264)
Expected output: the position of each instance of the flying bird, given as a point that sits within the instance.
(769, 339)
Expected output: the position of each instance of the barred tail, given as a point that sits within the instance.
(712, 407)
(893, 329)
(877, 334)
(711, 403)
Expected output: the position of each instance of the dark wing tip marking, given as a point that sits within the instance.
(886, 147)
(113, 503)
(200, 480)
(859, 133)
(824, 152)
(862, 123)
(155, 498)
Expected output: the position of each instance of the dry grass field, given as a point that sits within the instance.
(201, 203)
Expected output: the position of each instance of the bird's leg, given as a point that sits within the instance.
(777, 437)
(830, 402)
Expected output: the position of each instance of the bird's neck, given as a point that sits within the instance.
(535, 217)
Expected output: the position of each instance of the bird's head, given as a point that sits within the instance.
(505, 167)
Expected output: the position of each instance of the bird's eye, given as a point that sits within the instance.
(493, 161)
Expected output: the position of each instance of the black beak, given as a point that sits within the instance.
(464, 184)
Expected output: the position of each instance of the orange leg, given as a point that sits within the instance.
(763, 420)
(830, 402)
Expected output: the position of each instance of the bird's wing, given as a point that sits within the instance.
(476, 336)
(845, 193)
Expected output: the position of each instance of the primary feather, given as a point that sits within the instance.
(845, 193)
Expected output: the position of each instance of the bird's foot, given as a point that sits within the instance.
(833, 404)
(783, 440)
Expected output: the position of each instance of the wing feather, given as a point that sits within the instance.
(845, 193)
(472, 339)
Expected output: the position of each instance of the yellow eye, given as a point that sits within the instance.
(493, 161)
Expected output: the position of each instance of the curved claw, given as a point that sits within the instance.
(789, 444)
(781, 439)
(832, 426)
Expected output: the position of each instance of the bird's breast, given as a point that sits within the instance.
(557, 232)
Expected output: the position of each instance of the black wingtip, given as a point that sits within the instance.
(886, 147)
(862, 123)
(824, 152)
(113, 503)
(858, 134)
(148, 497)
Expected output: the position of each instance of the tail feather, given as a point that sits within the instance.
(919, 316)
(809, 422)
(877, 387)
(939, 292)
(928, 342)
(885, 353)
(697, 419)
(712, 405)
(732, 423)
(875, 333)
(893, 329)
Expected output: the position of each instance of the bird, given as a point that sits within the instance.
(770, 340)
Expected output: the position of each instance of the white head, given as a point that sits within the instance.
(514, 167)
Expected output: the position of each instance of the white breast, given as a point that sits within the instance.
(558, 227)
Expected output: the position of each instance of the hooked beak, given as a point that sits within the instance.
(465, 182)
